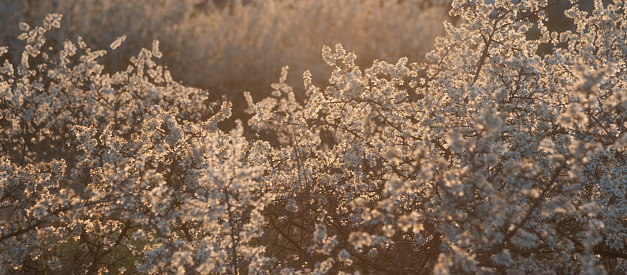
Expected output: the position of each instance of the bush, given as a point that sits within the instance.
(485, 158)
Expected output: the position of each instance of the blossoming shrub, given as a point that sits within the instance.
(487, 158)
(99, 169)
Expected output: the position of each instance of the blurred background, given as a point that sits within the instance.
(231, 46)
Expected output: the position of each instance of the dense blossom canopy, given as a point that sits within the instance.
(489, 157)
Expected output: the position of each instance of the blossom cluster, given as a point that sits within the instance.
(488, 157)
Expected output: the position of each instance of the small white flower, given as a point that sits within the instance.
(117, 42)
